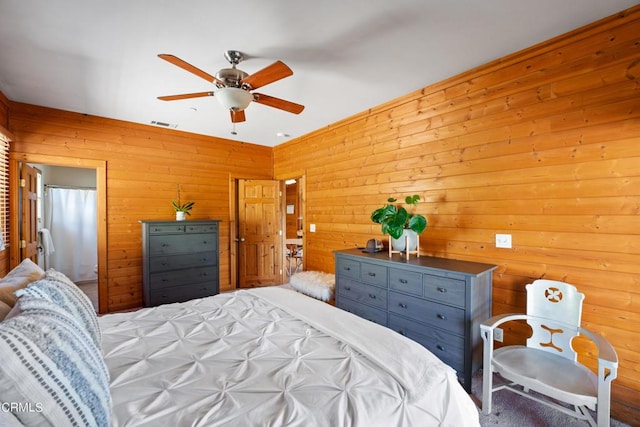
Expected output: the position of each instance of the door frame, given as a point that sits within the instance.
(233, 228)
(15, 158)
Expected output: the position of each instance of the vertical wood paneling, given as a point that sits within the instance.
(144, 167)
(543, 144)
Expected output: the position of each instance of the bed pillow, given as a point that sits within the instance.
(4, 310)
(23, 274)
(59, 289)
(53, 367)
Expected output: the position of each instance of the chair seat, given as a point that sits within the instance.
(546, 373)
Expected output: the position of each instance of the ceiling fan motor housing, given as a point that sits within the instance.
(231, 77)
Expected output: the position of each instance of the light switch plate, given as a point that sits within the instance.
(503, 240)
(312, 228)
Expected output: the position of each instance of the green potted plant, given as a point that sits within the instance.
(181, 209)
(395, 219)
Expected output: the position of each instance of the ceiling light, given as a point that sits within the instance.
(282, 135)
(233, 98)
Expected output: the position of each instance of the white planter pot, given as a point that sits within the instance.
(400, 244)
(180, 216)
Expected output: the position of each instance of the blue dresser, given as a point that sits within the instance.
(437, 302)
(179, 260)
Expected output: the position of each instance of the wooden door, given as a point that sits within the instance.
(29, 221)
(259, 233)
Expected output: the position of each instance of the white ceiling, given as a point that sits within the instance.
(99, 57)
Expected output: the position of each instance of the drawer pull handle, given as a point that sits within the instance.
(372, 274)
(404, 281)
(348, 288)
(402, 305)
(372, 296)
(442, 316)
(347, 268)
(442, 290)
(440, 347)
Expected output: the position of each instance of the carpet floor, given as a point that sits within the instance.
(510, 409)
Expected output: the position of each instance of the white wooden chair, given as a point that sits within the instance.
(548, 365)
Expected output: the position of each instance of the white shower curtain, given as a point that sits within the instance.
(70, 216)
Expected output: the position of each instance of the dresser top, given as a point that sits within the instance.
(186, 221)
(466, 267)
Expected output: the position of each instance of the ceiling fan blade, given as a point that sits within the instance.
(188, 67)
(274, 72)
(184, 96)
(237, 116)
(281, 104)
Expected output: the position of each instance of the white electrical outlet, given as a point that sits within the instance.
(497, 334)
(312, 228)
(503, 240)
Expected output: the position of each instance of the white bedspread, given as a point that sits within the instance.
(273, 357)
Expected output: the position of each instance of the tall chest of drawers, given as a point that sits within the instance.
(437, 302)
(179, 260)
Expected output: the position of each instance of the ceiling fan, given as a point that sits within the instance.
(233, 87)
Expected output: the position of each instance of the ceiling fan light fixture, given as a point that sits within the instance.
(233, 98)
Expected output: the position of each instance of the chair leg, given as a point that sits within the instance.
(487, 390)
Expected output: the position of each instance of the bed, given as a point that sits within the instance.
(263, 357)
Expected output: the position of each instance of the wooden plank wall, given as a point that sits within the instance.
(144, 166)
(543, 144)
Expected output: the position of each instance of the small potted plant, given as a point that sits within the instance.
(398, 223)
(181, 209)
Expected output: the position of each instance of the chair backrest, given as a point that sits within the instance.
(557, 310)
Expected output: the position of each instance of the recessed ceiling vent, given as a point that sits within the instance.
(163, 124)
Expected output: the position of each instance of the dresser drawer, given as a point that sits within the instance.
(449, 348)
(364, 311)
(348, 268)
(361, 292)
(444, 289)
(201, 228)
(176, 262)
(373, 274)
(405, 281)
(166, 228)
(182, 293)
(181, 243)
(169, 279)
(442, 316)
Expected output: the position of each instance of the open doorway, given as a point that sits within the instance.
(67, 225)
(276, 231)
(294, 227)
(98, 169)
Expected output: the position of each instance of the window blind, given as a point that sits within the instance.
(4, 188)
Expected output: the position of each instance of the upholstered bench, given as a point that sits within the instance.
(315, 284)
